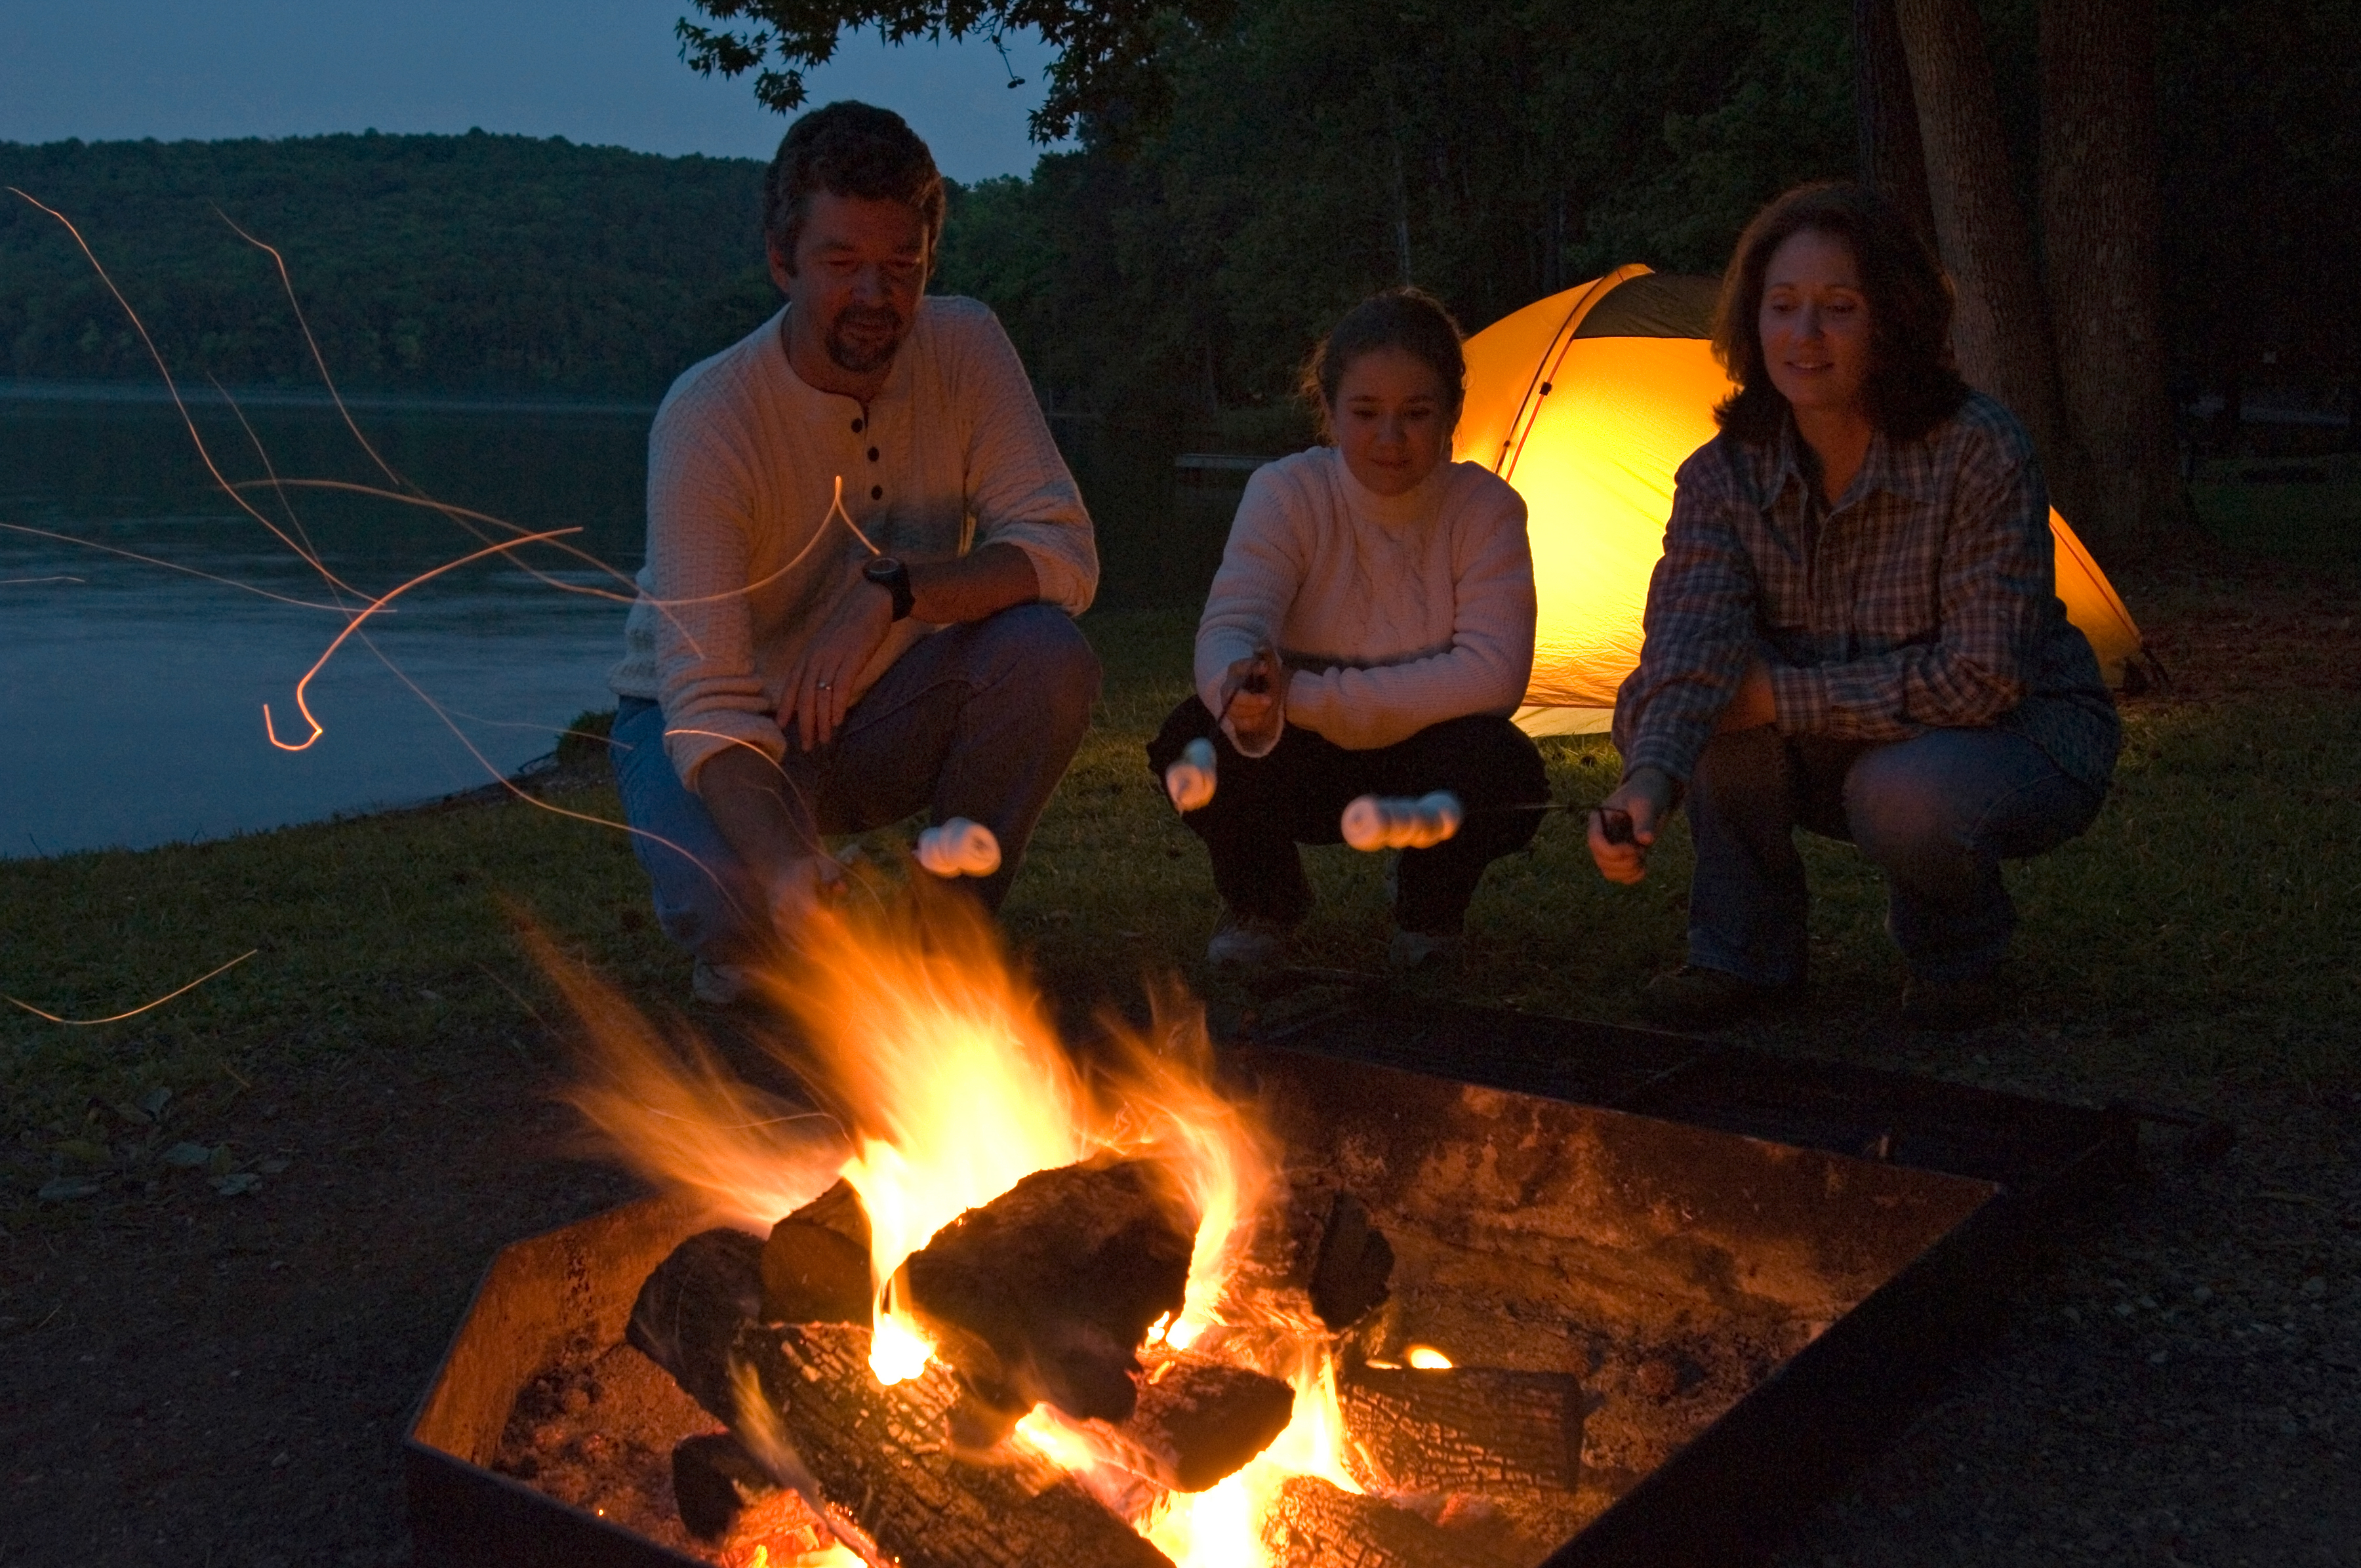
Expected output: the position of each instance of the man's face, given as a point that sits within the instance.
(859, 270)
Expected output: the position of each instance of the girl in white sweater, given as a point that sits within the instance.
(1369, 632)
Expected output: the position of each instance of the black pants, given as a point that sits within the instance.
(1264, 806)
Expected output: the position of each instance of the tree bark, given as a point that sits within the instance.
(874, 1459)
(1311, 1524)
(1893, 159)
(1999, 328)
(2102, 221)
(1467, 1428)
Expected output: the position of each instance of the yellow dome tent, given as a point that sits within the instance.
(1587, 402)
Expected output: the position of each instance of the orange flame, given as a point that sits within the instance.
(947, 1084)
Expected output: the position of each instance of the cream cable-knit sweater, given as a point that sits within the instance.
(1394, 612)
(741, 465)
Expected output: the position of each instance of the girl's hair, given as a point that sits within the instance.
(1913, 384)
(1405, 318)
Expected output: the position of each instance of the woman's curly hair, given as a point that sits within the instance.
(1913, 383)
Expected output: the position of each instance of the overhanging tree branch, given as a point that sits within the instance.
(1109, 65)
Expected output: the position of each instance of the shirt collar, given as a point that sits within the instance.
(1884, 467)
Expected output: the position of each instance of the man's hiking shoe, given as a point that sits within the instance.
(721, 985)
(1953, 1006)
(1246, 944)
(1430, 952)
(1694, 997)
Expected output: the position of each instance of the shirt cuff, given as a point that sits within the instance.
(1800, 699)
(699, 740)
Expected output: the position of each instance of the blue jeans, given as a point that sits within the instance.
(1937, 814)
(976, 720)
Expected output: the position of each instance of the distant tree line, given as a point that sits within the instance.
(1246, 168)
(481, 263)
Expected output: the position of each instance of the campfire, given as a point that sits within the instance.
(997, 1305)
(1002, 1300)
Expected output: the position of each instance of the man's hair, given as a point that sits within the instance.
(1913, 384)
(849, 150)
(1408, 319)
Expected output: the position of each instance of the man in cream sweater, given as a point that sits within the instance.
(864, 554)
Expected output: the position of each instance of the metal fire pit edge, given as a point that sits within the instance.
(1732, 1494)
(1726, 1498)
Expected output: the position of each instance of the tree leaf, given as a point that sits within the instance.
(187, 1154)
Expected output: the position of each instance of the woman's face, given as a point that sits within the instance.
(1815, 325)
(1392, 420)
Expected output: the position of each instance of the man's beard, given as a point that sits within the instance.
(881, 342)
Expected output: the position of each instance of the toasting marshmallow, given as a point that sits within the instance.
(1189, 781)
(1397, 822)
(958, 848)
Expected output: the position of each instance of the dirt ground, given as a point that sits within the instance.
(210, 1382)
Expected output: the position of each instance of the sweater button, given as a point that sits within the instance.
(857, 425)
(876, 492)
(872, 455)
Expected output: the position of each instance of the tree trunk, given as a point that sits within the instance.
(1999, 328)
(1893, 159)
(2102, 221)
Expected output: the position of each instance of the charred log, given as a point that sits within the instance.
(691, 1308)
(724, 1496)
(1311, 1524)
(872, 1459)
(815, 1265)
(1315, 1267)
(1467, 1428)
(1047, 1292)
(1198, 1422)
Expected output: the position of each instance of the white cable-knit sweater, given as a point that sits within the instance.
(1393, 612)
(741, 465)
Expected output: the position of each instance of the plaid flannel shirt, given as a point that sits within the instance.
(1925, 599)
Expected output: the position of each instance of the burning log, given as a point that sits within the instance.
(815, 1265)
(1315, 1267)
(690, 1310)
(725, 1496)
(1311, 1524)
(1046, 1293)
(1464, 1428)
(872, 1458)
(1198, 1422)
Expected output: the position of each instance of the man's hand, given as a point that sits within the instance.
(797, 887)
(1647, 798)
(1254, 700)
(1753, 706)
(819, 688)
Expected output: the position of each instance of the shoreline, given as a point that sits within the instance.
(152, 393)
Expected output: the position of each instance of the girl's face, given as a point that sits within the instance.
(1815, 325)
(1392, 420)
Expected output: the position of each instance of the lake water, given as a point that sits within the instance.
(131, 694)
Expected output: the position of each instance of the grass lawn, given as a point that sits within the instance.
(332, 1135)
(2208, 928)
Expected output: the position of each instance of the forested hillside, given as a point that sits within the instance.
(423, 263)
(1172, 273)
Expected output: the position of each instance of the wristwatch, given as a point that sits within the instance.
(894, 577)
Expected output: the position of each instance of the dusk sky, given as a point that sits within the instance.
(604, 71)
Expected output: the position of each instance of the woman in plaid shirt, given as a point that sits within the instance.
(1854, 629)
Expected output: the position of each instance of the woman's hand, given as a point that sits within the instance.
(1254, 700)
(819, 688)
(1646, 797)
